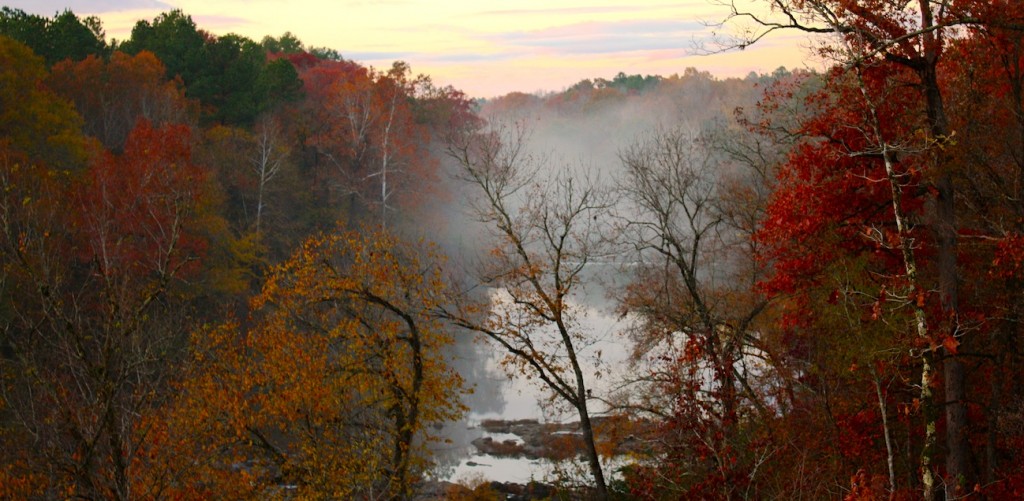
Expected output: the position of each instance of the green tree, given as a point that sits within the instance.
(175, 40)
(29, 29)
(70, 37)
(66, 36)
(278, 84)
(229, 75)
(225, 81)
(285, 44)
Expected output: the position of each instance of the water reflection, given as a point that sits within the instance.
(473, 361)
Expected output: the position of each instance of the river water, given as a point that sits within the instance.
(500, 397)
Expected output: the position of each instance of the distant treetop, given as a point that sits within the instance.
(65, 36)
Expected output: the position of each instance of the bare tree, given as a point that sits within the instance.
(266, 161)
(547, 228)
(693, 270)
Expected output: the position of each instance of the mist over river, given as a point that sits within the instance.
(498, 396)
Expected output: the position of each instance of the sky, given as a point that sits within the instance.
(486, 48)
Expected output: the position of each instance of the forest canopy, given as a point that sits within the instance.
(217, 279)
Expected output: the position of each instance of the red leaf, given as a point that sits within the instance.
(950, 343)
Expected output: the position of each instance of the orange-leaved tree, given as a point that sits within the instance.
(112, 95)
(331, 387)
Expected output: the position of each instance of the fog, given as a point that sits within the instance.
(580, 132)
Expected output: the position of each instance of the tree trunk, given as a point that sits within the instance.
(882, 408)
(906, 245)
(945, 235)
(994, 409)
(593, 459)
(953, 367)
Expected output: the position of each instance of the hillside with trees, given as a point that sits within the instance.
(243, 269)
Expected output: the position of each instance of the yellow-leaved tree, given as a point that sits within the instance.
(330, 389)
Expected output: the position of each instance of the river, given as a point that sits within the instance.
(498, 397)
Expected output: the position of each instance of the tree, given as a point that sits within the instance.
(29, 29)
(287, 43)
(546, 232)
(224, 82)
(911, 37)
(113, 95)
(266, 163)
(842, 234)
(93, 331)
(230, 75)
(73, 38)
(333, 387)
(984, 81)
(278, 84)
(326, 53)
(175, 40)
(690, 222)
(33, 119)
(66, 36)
(27, 219)
(261, 180)
(365, 130)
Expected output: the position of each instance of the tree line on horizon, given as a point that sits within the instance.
(217, 279)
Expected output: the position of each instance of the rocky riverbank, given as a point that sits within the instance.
(504, 445)
(531, 439)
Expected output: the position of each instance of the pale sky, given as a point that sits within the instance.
(484, 47)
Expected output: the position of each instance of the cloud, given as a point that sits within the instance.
(50, 7)
(215, 23)
(607, 37)
(471, 57)
(378, 55)
(555, 11)
(431, 57)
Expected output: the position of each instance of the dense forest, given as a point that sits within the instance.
(234, 269)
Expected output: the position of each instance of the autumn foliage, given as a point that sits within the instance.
(211, 283)
(95, 256)
(113, 95)
(373, 155)
(330, 388)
